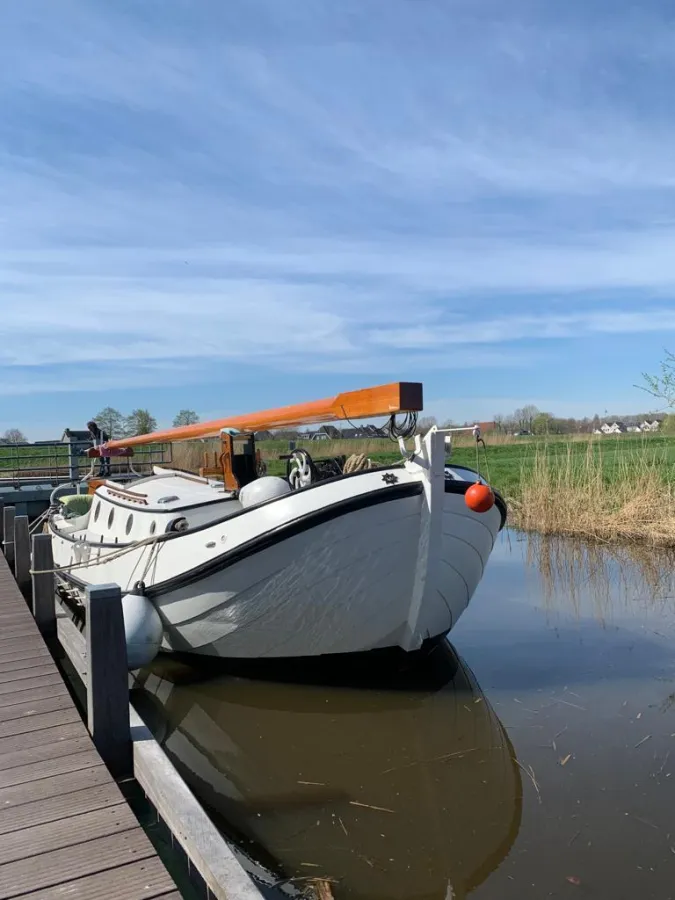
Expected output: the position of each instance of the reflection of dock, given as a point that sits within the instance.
(65, 827)
(318, 775)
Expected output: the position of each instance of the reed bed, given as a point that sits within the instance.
(626, 498)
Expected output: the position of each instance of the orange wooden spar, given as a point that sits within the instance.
(385, 400)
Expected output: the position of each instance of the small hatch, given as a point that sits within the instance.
(169, 499)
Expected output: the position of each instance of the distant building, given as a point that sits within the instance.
(76, 437)
(634, 428)
(613, 428)
(651, 425)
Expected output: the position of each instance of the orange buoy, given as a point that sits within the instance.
(479, 497)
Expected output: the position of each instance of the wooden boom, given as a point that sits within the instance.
(385, 400)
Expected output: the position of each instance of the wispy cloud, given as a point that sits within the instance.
(341, 189)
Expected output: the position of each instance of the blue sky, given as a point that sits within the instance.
(229, 206)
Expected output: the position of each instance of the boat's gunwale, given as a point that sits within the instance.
(273, 536)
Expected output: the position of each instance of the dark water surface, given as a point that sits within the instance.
(534, 760)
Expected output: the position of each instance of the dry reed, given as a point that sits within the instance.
(578, 494)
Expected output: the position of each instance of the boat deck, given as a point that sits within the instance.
(65, 827)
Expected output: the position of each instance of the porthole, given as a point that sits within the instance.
(97, 510)
(130, 522)
(153, 527)
(111, 517)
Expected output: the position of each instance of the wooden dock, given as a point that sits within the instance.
(65, 826)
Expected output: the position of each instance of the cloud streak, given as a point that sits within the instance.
(344, 190)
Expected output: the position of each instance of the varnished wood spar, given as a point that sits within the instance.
(43, 585)
(8, 529)
(108, 678)
(22, 554)
(385, 400)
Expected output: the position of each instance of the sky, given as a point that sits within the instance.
(233, 206)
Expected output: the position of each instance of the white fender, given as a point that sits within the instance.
(143, 629)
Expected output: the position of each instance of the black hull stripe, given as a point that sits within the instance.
(276, 536)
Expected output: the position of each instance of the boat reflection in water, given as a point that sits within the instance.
(407, 789)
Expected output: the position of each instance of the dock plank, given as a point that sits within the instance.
(28, 682)
(70, 863)
(49, 836)
(31, 721)
(19, 743)
(46, 767)
(19, 671)
(65, 826)
(55, 785)
(31, 706)
(44, 692)
(146, 879)
(44, 752)
(58, 808)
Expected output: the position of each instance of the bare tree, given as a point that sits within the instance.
(111, 421)
(14, 436)
(662, 386)
(425, 423)
(185, 417)
(140, 421)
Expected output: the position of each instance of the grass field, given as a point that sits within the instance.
(615, 488)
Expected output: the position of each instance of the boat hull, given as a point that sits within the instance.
(385, 559)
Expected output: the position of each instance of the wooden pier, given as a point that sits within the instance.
(65, 827)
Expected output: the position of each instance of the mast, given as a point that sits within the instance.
(384, 400)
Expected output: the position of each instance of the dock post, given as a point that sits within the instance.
(8, 537)
(44, 610)
(108, 678)
(22, 554)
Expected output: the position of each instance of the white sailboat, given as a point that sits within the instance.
(255, 566)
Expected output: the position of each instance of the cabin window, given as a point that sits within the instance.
(111, 517)
(153, 527)
(97, 510)
(130, 522)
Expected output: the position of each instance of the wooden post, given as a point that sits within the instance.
(22, 554)
(107, 678)
(43, 585)
(8, 540)
(2, 523)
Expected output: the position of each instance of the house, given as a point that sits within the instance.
(264, 435)
(613, 428)
(76, 437)
(633, 429)
(651, 425)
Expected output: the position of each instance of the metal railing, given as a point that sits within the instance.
(66, 461)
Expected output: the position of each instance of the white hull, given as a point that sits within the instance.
(385, 558)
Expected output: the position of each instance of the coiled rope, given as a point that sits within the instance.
(357, 462)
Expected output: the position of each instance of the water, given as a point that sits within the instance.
(535, 760)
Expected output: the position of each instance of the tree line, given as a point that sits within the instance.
(139, 421)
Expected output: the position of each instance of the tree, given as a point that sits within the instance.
(185, 417)
(139, 421)
(111, 421)
(662, 386)
(14, 436)
(425, 423)
(543, 423)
